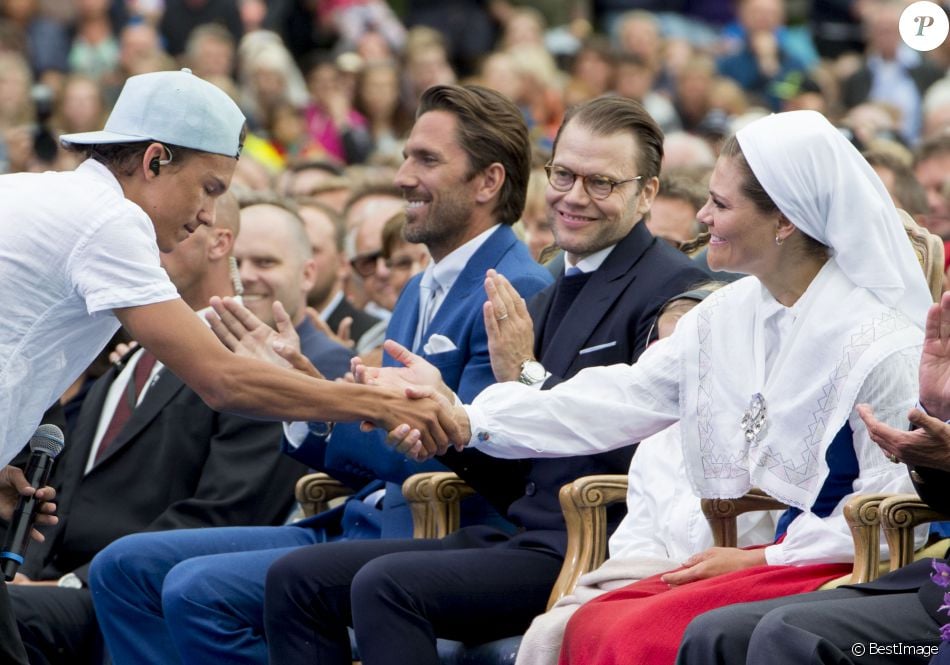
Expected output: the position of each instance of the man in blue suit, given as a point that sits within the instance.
(197, 596)
(481, 584)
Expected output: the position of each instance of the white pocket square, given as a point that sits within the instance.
(598, 347)
(438, 344)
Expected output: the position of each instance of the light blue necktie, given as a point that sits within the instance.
(429, 290)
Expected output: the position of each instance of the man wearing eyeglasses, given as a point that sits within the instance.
(479, 584)
(602, 180)
(366, 213)
(198, 598)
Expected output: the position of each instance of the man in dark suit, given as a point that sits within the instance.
(197, 597)
(204, 468)
(480, 583)
(903, 610)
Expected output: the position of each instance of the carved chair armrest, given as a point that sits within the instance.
(584, 504)
(722, 514)
(900, 513)
(863, 514)
(434, 499)
(315, 491)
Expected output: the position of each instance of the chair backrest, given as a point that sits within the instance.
(929, 250)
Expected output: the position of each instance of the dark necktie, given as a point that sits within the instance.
(128, 400)
(566, 292)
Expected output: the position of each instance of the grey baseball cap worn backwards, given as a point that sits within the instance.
(178, 108)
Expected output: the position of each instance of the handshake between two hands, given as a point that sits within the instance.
(424, 420)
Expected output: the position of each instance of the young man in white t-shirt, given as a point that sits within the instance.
(79, 255)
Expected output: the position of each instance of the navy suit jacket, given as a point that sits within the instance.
(362, 459)
(608, 322)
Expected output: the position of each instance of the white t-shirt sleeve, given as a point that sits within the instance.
(117, 265)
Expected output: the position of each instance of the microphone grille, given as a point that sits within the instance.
(48, 439)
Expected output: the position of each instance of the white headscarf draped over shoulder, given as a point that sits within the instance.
(814, 176)
(866, 307)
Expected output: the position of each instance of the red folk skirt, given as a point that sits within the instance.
(643, 623)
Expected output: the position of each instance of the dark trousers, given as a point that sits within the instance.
(399, 595)
(834, 627)
(11, 649)
(58, 626)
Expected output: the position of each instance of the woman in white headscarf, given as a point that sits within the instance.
(763, 378)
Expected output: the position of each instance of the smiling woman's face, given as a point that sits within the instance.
(742, 237)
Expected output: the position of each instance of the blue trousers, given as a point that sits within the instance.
(190, 595)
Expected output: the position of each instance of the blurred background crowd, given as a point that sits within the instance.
(329, 86)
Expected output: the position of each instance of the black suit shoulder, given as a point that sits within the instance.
(187, 466)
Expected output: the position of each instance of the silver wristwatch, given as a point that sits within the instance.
(532, 372)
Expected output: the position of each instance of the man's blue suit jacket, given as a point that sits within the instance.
(363, 460)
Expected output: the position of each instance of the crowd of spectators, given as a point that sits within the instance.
(337, 82)
(330, 90)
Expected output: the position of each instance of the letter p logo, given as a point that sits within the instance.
(924, 25)
(923, 22)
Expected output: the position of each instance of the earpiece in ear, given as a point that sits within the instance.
(155, 165)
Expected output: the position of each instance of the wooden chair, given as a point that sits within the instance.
(314, 492)
(434, 499)
(929, 250)
(900, 513)
(861, 513)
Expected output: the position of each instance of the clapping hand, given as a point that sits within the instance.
(246, 335)
(509, 327)
(416, 372)
(928, 445)
(935, 361)
(341, 336)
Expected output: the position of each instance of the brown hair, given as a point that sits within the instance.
(907, 189)
(336, 219)
(124, 158)
(932, 147)
(611, 115)
(753, 190)
(490, 129)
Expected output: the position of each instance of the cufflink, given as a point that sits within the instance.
(320, 429)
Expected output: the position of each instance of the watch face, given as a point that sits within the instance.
(532, 372)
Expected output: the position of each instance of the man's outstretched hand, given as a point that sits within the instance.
(419, 381)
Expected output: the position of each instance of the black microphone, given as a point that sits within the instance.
(46, 444)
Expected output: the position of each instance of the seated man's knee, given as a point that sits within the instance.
(117, 559)
(186, 585)
(378, 579)
(717, 636)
